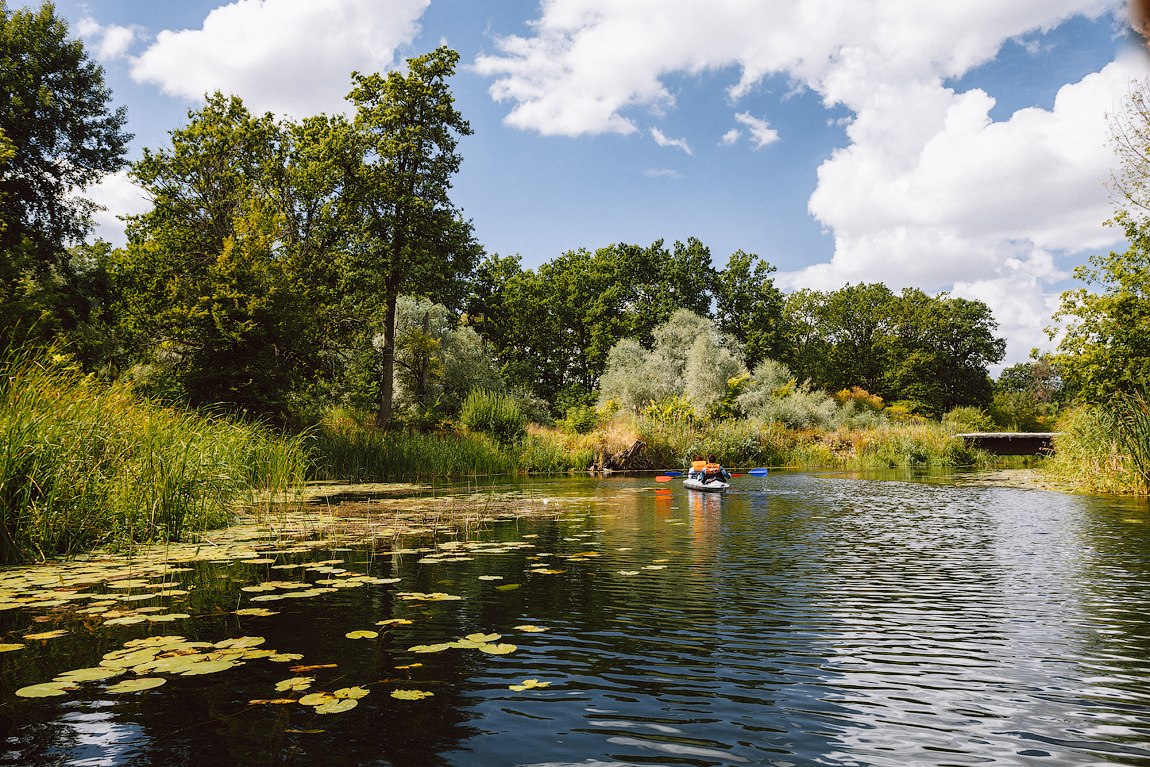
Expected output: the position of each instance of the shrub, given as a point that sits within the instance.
(495, 414)
(860, 397)
(581, 419)
(967, 418)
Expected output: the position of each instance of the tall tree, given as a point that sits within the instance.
(55, 117)
(407, 130)
(750, 307)
(225, 282)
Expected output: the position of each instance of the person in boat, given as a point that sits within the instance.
(713, 472)
(698, 466)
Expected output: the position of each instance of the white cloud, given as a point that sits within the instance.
(929, 191)
(283, 56)
(761, 131)
(661, 173)
(107, 42)
(662, 140)
(120, 197)
(731, 137)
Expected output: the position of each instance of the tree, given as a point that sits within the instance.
(750, 307)
(1106, 346)
(225, 285)
(406, 131)
(60, 137)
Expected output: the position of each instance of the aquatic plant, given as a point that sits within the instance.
(83, 462)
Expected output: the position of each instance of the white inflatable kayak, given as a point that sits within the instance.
(714, 486)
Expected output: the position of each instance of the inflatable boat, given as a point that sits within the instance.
(714, 486)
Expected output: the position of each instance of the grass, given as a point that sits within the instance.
(84, 463)
(1104, 449)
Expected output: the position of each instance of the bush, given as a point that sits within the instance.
(495, 414)
(967, 419)
(581, 419)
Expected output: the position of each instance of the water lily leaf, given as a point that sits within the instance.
(437, 596)
(271, 701)
(362, 634)
(240, 642)
(209, 667)
(284, 657)
(256, 611)
(337, 706)
(89, 674)
(351, 692)
(394, 622)
(409, 665)
(528, 628)
(10, 647)
(316, 699)
(260, 561)
(654, 567)
(260, 587)
(528, 684)
(483, 638)
(426, 648)
(45, 690)
(295, 683)
(628, 572)
(491, 577)
(509, 586)
(126, 620)
(47, 634)
(498, 649)
(411, 694)
(137, 685)
(268, 598)
(168, 617)
(385, 581)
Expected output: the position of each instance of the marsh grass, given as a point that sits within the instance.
(84, 463)
(1104, 449)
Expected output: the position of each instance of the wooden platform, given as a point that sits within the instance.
(1012, 443)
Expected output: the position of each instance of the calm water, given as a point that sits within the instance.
(800, 619)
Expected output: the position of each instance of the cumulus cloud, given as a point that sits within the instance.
(662, 140)
(107, 42)
(119, 196)
(285, 56)
(929, 191)
(761, 131)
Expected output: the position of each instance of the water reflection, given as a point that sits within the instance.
(797, 619)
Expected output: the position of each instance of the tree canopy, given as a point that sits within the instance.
(58, 135)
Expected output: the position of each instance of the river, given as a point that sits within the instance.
(799, 619)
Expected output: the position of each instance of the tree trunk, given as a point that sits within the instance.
(387, 380)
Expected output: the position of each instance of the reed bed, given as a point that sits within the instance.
(84, 463)
(1104, 449)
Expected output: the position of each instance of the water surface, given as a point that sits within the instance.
(799, 619)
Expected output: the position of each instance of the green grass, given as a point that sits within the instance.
(84, 463)
(1104, 449)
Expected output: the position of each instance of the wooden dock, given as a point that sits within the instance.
(1012, 443)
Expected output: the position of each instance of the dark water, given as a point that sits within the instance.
(800, 619)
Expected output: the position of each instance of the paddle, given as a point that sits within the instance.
(673, 473)
(663, 479)
(759, 472)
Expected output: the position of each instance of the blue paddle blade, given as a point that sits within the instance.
(759, 472)
(672, 474)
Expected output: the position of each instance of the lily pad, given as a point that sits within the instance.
(411, 694)
(483, 638)
(89, 674)
(351, 692)
(529, 629)
(527, 684)
(394, 622)
(362, 634)
(295, 683)
(498, 649)
(509, 586)
(47, 634)
(45, 690)
(137, 685)
(10, 647)
(256, 611)
(316, 699)
(337, 706)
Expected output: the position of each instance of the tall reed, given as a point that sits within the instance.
(1105, 449)
(84, 463)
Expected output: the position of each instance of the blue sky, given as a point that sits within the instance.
(959, 149)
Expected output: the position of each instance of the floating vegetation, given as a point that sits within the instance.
(411, 694)
(137, 685)
(528, 684)
(529, 629)
(437, 596)
(363, 634)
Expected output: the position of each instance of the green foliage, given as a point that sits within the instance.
(1106, 346)
(404, 228)
(861, 398)
(1105, 448)
(750, 308)
(581, 419)
(968, 419)
(57, 136)
(671, 409)
(493, 413)
(83, 463)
